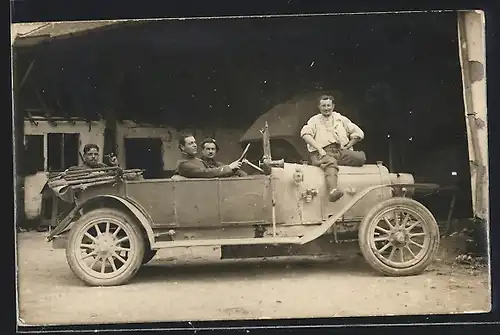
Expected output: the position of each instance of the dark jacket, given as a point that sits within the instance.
(194, 167)
(212, 163)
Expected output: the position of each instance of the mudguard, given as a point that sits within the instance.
(320, 230)
(139, 214)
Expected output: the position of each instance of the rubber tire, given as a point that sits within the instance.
(137, 235)
(378, 265)
(148, 255)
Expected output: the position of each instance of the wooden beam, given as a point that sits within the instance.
(25, 77)
(44, 107)
(64, 111)
(30, 117)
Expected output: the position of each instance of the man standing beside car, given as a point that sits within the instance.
(330, 138)
(191, 166)
(210, 148)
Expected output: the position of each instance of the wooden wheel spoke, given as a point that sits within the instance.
(97, 229)
(123, 239)
(93, 253)
(401, 255)
(97, 259)
(87, 246)
(103, 265)
(116, 231)
(417, 234)
(107, 226)
(122, 249)
(411, 251)
(385, 231)
(396, 219)
(381, 238)
(90, 236)
(384, 248)
(418, 245)
(405, 220)
(412, 226)
(393, 251)
(112, 262)
(119, 258)
(388, 223)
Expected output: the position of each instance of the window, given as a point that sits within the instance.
(62, 151)
(33, 160)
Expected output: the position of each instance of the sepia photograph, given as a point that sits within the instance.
(250, 167)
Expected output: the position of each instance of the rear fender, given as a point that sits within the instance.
(129, 205)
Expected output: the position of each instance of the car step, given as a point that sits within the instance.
(227, 241)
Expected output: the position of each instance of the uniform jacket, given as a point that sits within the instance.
(212, 163)
(194, 167)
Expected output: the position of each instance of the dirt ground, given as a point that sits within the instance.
(194, 284)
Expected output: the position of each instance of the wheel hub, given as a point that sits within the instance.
(399, 238)
(105, 245)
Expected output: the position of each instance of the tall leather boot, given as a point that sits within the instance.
(331, 176)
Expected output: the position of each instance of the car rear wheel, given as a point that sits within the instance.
(399, 237)
(105, 247)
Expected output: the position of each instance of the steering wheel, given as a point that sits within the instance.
(244, 160)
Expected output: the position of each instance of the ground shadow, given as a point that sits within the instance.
(245, 268)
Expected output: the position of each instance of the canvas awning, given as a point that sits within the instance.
(286, 119)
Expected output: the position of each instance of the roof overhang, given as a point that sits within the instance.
(30, 34)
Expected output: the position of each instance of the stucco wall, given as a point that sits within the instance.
(228, 140)
(89, 132)
(93, 133)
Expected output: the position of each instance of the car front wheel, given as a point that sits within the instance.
(399, 237)
(105, 247)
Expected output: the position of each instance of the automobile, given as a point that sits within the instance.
(116, 220)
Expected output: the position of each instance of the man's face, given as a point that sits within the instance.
(326, 107)
(209, 150)
(190, 146)
(91, 158)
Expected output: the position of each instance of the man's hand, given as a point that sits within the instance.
(235, 165)
(351, 143)
(321, 152)
(113, 160)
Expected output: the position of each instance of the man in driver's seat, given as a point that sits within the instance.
(209, 149)
(193, 167)
(330, 138)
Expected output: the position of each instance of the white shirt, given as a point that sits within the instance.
(329, 130)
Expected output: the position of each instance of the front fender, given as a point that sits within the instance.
(65, 224)
(321, 229)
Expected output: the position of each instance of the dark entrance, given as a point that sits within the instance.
(145, 153)
(62, 151)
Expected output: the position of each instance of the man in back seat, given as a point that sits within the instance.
(193, 167)
(330, 138)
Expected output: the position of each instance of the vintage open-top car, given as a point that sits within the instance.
(116, 220)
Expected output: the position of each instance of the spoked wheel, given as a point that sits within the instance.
(399, 237)
(105, 248)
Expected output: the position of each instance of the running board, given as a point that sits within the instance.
(227, 241)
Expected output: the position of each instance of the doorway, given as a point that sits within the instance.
(145, 153)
